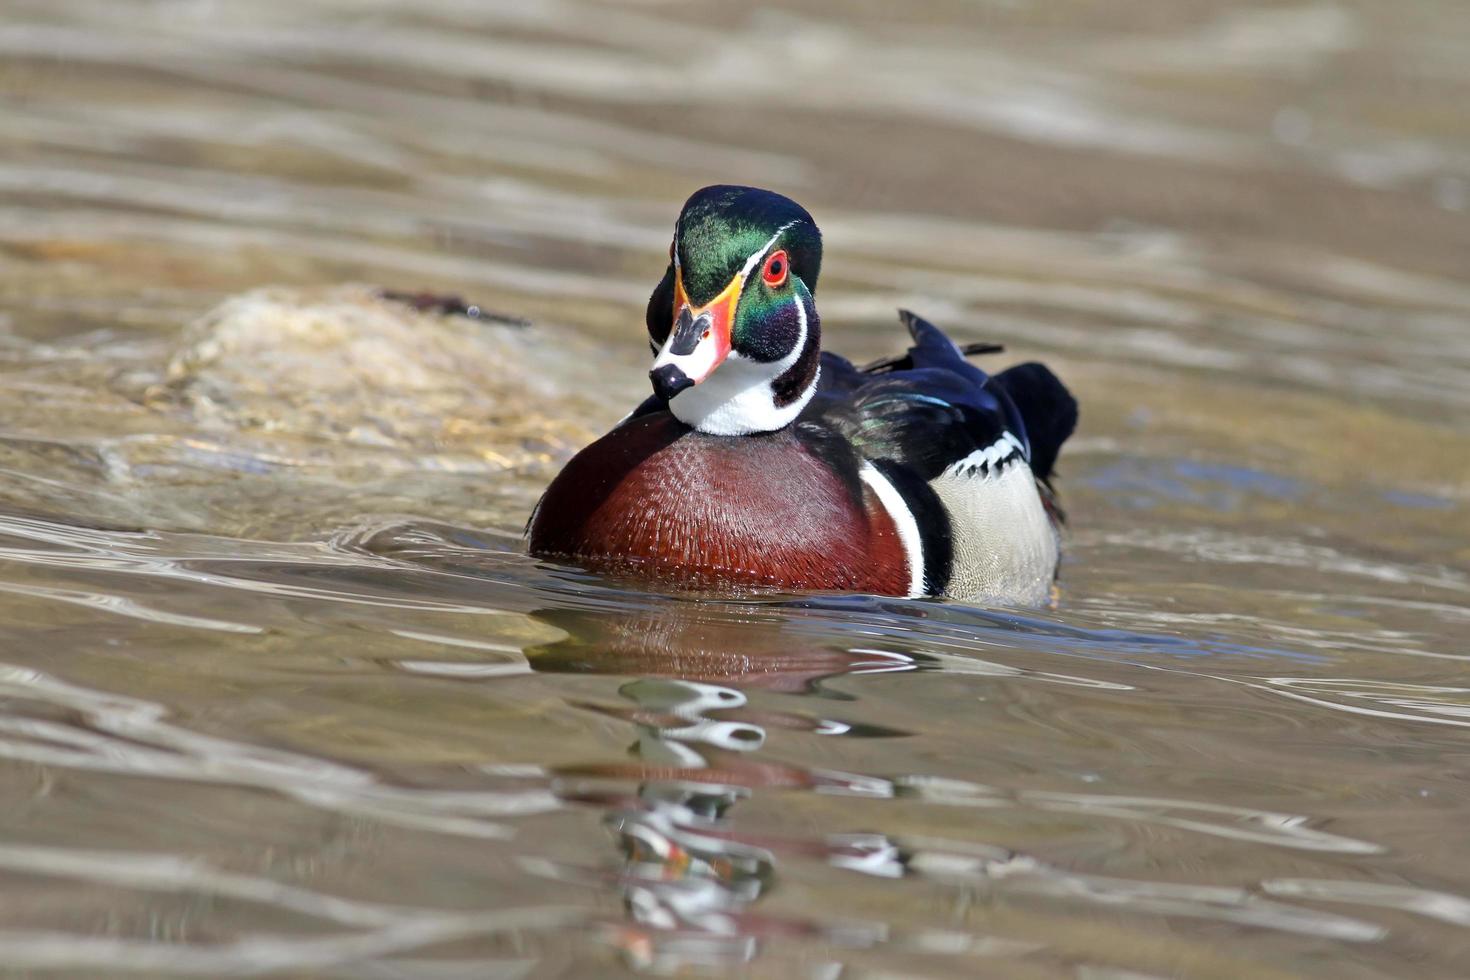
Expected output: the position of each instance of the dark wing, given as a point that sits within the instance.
(930, 408)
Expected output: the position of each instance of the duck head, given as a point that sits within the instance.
(733, 325)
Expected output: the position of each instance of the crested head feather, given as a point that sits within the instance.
(722, 227)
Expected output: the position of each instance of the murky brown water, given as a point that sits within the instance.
(278, 695)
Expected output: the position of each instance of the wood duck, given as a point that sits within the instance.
(763, 463)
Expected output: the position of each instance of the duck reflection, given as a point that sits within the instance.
(692, 660)
(690, 877)
(714, 643)
(685, 882)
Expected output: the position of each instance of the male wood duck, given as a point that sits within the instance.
(763, 463)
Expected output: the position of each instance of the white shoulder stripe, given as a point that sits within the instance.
(903, 520)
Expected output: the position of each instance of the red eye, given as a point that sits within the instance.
(775, 269)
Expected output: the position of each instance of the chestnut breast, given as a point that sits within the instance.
(659, 500)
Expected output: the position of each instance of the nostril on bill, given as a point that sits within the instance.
(689, 330)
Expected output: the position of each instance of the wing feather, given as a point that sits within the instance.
(926, 409)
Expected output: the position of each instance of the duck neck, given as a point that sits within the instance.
(746, 396)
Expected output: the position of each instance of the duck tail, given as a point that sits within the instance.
(1047, 408)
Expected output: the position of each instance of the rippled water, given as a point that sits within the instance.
(279, 696)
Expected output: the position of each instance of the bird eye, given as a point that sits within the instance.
(775, 270)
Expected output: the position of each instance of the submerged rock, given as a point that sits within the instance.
(343, 365)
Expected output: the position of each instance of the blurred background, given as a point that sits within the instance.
(281, 697)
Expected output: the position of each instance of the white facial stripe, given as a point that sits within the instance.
(751, 262)
(903, 520)
(786, 363)
(756, 257)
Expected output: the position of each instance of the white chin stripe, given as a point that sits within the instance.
(903, 520)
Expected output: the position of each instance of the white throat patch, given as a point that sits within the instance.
(738, 398)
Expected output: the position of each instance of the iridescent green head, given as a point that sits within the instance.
(732, 322)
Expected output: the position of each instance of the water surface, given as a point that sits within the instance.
(279, 695)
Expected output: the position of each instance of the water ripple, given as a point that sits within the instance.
(128, 736)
